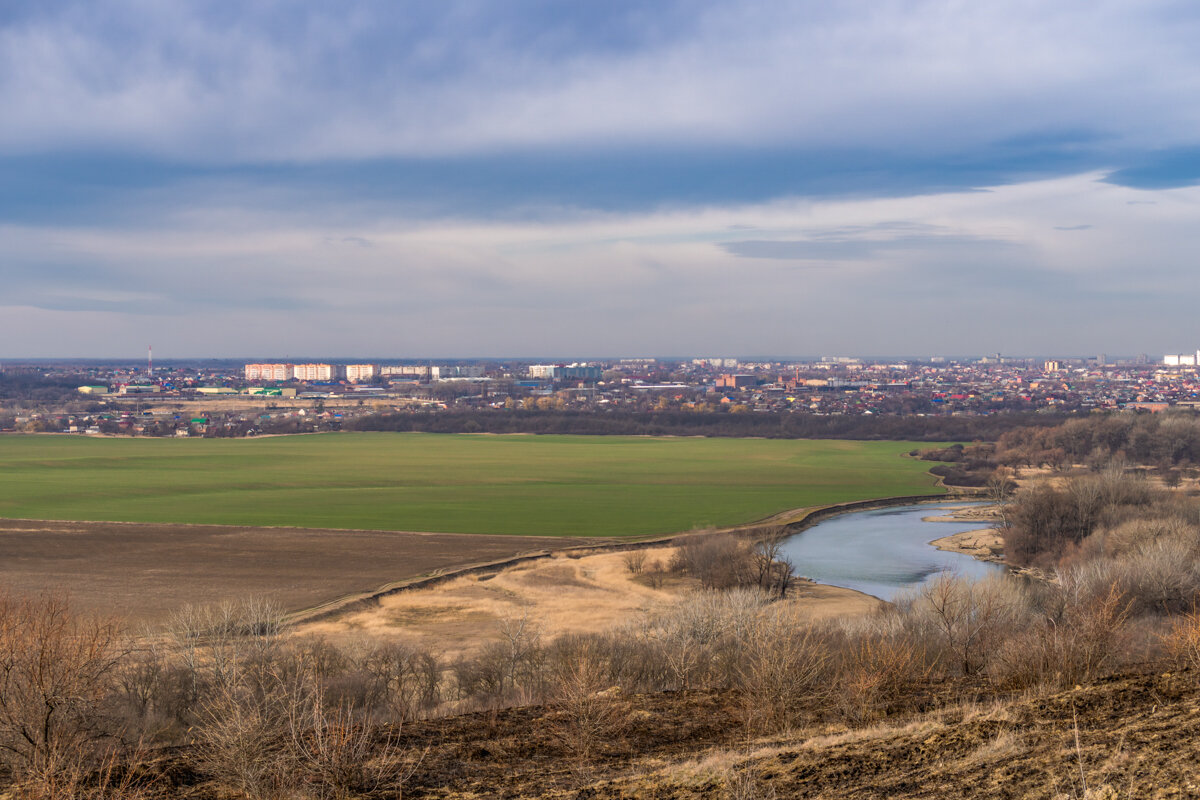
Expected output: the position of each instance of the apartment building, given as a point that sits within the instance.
(356, 373)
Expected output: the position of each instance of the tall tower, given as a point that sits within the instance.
(150, 361)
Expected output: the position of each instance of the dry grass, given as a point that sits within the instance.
(562, 594)
(1005, 744)
(1182, 642)
(567, 593)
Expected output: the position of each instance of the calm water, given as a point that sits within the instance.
(884, 551)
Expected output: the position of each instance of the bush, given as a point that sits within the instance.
(718, 561)
(785, 667)
(878, 658)
(589, 712)
(1183, 640)
(964, 619)
(57, 672)
(1080, 642)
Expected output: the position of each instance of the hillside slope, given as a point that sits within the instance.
(1137, 735)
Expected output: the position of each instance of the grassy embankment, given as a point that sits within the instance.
(544, 485)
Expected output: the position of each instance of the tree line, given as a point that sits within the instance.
(768, 425)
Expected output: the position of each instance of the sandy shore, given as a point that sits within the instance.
(988, 513)
(985, 544)
(558, 595)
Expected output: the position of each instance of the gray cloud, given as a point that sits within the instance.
(858, 243)
(299, 81)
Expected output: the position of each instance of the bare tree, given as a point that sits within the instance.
(1000, 488)
(589, 711)
(521, 644)
(769, 568)
(341, 756)
(967, 615)
(55, 671)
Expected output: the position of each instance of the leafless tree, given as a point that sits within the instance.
(635, 561)
(999, 490)
(770, 569)
(589, 710)
(967, 615)
(56, 669)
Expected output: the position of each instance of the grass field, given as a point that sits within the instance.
(531, 485)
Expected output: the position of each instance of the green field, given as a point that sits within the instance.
(537, 485)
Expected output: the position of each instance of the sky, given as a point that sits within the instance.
(576, 179)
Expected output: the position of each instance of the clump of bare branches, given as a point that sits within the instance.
(635, 561)
(57, 671)
(785, 667)
(589, 713)
(725, 561)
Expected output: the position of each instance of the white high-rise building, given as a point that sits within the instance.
(314, 372)
(269, 372)
(1182, 359)
(360, 372)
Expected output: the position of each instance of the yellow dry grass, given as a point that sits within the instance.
(561, 594)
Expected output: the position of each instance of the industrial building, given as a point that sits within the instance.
(737, 381)
(564, 372)
(406, 370)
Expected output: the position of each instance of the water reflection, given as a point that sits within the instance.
(883, 552)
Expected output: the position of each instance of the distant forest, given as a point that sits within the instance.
(1165, 440)
(670, 423)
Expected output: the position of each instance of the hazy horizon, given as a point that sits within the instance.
(435, 359)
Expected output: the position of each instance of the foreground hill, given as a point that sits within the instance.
(1136, 735)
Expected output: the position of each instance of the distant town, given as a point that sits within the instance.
(227, 398)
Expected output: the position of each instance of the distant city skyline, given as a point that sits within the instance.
(1150, 359)
(474, 180)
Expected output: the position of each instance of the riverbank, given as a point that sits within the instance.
(984, 544)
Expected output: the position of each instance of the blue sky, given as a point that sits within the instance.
(577, 178)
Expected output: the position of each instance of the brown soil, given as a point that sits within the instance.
(142, 572)
(1131, 736)
(1136, 734)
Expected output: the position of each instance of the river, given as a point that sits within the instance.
(884, 551)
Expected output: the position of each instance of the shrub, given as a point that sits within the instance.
(635, 561)
(1182, 642)
(718, 561)
(56, 672)
(589, 713)
(1081, 641)
(785, 667)
(878, 658)
(964, 618)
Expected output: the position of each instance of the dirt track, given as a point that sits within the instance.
(142, 572)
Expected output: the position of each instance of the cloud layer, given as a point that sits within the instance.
(538, 177)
